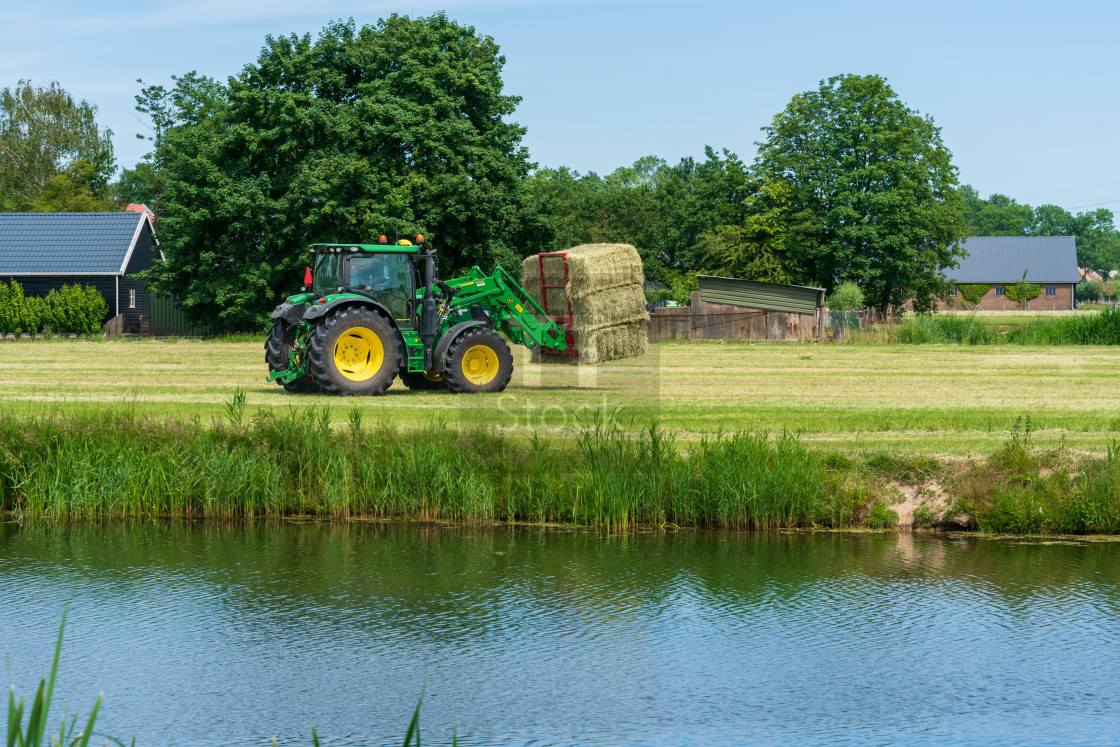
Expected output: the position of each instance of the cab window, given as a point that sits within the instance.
(388, 277)
(327, 276)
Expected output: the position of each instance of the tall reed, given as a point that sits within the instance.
(1087, 329)
(32, 733)
(121, 465)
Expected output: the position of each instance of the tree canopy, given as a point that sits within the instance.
(662, 210)
(398, 126)
(1098, 241)
(871, 191)
(47, 138)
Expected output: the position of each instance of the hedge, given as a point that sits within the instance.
(72, 308)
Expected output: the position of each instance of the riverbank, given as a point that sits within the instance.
(298, 464)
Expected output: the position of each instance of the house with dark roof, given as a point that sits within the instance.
(999, 261)
(42, 251)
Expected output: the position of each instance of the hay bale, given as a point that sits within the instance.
(601, 345)
(611, 307)
(591, 268)
(605, 289)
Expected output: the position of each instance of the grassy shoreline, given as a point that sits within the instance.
(122, 465)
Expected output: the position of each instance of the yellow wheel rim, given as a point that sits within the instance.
(358, 354)
(432, 376)
(480, 365)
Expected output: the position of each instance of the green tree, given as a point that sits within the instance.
(758, 247)
(873, 191)
(400, 125)
(1023, 292)
(999, 215)
(143, 185)
(662, 210)
(70, 192)
(45, 132)
(193, 99)
(1098, 241)
(847, 296)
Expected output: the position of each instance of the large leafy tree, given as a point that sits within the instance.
(872, 190)
(45, 135)
(398, 126)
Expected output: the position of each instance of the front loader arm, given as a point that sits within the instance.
(519, 316)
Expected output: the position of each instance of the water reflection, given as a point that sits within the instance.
(205, 633)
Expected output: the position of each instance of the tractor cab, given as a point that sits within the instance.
(386, 272)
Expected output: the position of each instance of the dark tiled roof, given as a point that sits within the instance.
(1002, 259)
(65, 242)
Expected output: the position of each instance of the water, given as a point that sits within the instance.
(204, 634)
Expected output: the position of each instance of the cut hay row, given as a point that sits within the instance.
(605, 289)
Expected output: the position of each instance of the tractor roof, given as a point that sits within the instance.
(379, 248)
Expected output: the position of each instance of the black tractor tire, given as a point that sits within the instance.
(478, 360)
(278, 353)
(344, 350)
(423, 382)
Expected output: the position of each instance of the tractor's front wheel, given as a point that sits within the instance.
(423, 382)
(478, 360)
(354, 351)
(278, 354)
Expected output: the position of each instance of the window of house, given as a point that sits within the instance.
(1051, 290)
(1000, 290)
(956, 291)
(132, 298)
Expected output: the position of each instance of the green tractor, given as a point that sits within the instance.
(368, 313)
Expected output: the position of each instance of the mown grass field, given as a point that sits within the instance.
(917, 399)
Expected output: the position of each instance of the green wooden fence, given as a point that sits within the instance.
(168, 319)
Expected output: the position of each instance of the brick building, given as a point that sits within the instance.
(999, 261)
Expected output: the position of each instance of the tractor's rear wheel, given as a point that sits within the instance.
(354, 351)
(426, 381)
(278, 353)
(478, 360)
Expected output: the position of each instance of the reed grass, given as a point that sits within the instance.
(606, 475)
(1101, 328)
(1019, 490)
(120, 464)
(33, 733)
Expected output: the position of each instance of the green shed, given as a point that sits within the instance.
(752, 294)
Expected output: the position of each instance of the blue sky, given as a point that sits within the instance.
(1025, 92)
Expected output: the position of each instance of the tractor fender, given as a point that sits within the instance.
(291, 313)
(440, 353)
(317, 311)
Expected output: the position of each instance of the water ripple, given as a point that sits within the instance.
(201, 634)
